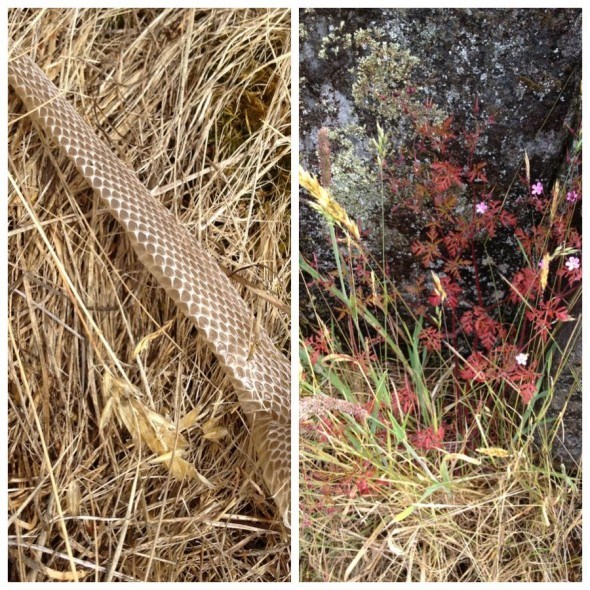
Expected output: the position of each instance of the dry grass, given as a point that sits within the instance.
(508, 520)
(198, 103)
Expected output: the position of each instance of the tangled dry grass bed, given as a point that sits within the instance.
(198, 103)
(508, 520)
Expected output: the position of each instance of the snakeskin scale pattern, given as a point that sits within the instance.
(190, 276)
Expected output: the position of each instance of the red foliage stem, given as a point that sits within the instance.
(476, 270)
(472, 237)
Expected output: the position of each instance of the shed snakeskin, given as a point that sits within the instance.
(190, 276)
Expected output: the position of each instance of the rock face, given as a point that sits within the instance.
(567, 445)
(520, 66)
(523, 66)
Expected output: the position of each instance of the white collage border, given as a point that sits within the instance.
(295, 6)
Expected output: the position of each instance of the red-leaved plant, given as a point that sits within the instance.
(492, 274)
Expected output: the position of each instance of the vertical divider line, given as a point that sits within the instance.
(294, 294)
(4, 292)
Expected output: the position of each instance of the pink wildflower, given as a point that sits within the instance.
(481, 208)
(573, 263)
(571, 197)
(537, 189)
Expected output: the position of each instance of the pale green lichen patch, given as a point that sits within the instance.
(353, 170)
(382, 75)
(383, 80)
(383, 83)
(334, 42)
(302, 33)
(382, 87)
